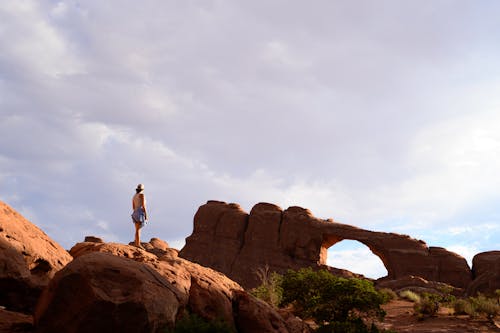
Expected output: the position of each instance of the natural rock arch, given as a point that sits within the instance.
(357, 251)
(237, 244)
(330, 240)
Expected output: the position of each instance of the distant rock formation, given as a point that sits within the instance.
(238, 244)
(28, 260)
(486, 272)
(419, 285)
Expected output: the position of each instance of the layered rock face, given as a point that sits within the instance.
(111, 287)
(29, 259)
(486, 271)
(238, 244)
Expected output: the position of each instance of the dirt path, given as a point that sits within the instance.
(401, 319)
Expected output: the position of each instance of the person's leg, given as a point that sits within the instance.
(137, 239)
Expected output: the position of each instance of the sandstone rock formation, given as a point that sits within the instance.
(254, 316)
(11, 322)
(29, 259)
(100, 292)
(93, 239)
(115, 287)
(111, 287)
(236, 243)
(419, 285)
(486, 272)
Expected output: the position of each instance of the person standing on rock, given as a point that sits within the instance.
(140, 215)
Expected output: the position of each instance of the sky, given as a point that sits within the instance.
(380, 114)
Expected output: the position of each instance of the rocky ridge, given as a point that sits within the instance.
(29, 259)
(103, 287)
(238, 244)
(111, 287)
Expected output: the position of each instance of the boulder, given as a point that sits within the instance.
(485, 262)
(254, 316)
(15, 322)
(293, 323)
(29, 260)
(486, 271)
(93, 239)
(100, 292)
(418, 284)
(294, 238)
(118, 279)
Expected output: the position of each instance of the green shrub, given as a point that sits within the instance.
(477, 306)
(427, 306)
(194, 323)
(387, 295)
(447, 299)
(410, 296)
(329, 299)
(463, 306)
(270, 289)
(484, 305)
(446, 289)
(445, 295)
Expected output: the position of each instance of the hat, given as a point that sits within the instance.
(140, 187)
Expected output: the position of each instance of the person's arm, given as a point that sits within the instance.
(143, 200)
(133, 204)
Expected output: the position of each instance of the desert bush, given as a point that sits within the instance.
(410, 296)
(387, 295)
(477, 306)
(427, 306)
(270, 289)
(331, 300)
(446, 289)
(484, 305)
(463, 306)
(194, 323)
(447, 299)
(445, 295)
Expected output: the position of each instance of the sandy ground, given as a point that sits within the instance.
(401, 319)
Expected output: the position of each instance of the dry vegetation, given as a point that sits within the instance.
(331, 302)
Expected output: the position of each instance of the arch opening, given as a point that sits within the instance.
(356, 257)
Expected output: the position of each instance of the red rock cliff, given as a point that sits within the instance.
(236, 243)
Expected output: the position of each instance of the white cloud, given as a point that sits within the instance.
(361, 113)
(486, 228)
(278, 53)
(177, 243)
(456, 165)
(468, 252)
(27, 37)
